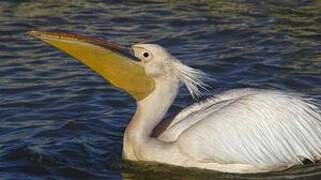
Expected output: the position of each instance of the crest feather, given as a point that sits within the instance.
(193, 79)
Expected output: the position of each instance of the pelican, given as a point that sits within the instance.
(237, 131)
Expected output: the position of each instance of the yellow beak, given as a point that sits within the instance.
(113, 62)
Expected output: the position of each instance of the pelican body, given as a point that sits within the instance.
(237, 131)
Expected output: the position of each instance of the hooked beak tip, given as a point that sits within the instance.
(33, 33)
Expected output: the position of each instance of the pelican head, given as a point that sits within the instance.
(162, 66)
(133, 70)
(156, 61)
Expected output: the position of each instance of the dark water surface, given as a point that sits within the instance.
(59, 120)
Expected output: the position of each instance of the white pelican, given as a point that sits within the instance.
(238, 131)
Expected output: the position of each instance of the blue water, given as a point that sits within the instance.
(59, 120)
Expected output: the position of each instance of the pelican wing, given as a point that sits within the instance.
(263, 128)
(199, 111)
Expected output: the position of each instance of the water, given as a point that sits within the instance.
(58, 120)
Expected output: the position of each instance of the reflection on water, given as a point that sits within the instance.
(59, 120)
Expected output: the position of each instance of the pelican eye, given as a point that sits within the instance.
(146, 54)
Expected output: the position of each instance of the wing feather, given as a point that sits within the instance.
(258, 127)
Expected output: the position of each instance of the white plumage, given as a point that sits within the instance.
(260, 127)
(240, 131)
